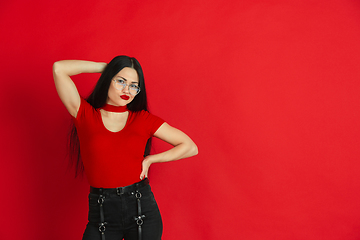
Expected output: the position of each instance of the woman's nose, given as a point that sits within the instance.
(126, 89)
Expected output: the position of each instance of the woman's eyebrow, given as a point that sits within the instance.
(126, 79)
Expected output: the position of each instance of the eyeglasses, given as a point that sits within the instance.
(120, 84)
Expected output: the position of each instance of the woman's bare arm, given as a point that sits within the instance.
(65, 87)
(183, 147)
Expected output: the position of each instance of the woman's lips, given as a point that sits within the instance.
(125, 97)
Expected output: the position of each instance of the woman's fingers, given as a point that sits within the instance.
(145, 169)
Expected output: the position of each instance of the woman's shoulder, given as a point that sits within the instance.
(142, 114)
(145, 115)
(147, 120)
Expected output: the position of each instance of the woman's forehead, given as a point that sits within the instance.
(128, 74)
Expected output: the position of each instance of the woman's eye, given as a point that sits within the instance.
(121, 81)
(134, 86)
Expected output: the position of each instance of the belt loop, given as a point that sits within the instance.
(119, 191)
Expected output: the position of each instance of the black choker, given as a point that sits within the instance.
(112, 108)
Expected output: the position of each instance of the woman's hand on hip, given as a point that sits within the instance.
(145, 167)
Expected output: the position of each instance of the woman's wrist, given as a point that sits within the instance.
(150, 159)
(101, 66)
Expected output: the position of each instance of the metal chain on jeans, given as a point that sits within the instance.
(139, 219)
(102, 223)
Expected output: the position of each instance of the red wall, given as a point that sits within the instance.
(269, 90)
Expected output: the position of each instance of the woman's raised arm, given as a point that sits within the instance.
(65, 87)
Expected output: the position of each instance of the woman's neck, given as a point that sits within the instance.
(116, 109)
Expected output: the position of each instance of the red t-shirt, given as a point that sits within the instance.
(113, 159)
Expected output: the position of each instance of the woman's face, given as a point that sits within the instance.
(119, 95)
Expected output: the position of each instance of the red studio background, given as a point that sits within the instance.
(269, 90)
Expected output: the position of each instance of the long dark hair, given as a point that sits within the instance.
(98, 98)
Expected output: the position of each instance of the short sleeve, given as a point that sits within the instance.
(153, 122)
(157, 123)
(84, 109)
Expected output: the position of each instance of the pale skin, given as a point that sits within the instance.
(183, 146)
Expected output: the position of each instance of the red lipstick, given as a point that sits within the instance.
(125, 97)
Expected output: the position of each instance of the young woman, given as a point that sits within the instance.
(113, 127)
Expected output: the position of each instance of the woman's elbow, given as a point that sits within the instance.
(194, 149)
(56, 67)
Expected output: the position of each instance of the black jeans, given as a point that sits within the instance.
(119, 212)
